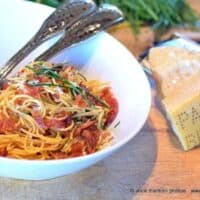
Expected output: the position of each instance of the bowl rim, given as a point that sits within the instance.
(109, 149)
(106, 150)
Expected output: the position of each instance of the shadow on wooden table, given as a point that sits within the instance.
(115, 178)
(158, 119)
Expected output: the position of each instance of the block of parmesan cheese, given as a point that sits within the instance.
(177, 75)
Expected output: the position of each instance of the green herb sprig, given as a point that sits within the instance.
(40, 69)
(160, 14)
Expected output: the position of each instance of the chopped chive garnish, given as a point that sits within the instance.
(40, 69)
(42, 84)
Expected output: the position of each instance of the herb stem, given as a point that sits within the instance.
(40, 69)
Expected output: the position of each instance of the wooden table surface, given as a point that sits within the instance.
(152, 166)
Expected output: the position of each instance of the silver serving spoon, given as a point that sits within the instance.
(60, 20)
(105, 17)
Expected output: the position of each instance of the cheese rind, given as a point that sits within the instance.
(185, 121)
(176, 72)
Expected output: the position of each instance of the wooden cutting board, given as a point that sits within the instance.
(176, 174)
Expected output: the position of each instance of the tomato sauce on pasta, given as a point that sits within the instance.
(51, 111)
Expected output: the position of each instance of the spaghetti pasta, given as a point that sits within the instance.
(50, 111)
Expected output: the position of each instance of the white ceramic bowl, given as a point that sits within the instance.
(101, 57)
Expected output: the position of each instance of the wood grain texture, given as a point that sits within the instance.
(174, 169)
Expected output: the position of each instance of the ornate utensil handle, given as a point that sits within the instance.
(60, 20)
(105, 17)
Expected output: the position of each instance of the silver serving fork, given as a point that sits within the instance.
(60, 20)
(105, 17)
(87, 26)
